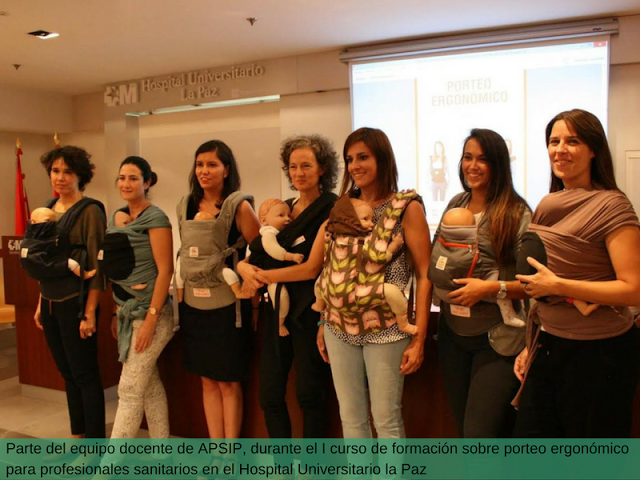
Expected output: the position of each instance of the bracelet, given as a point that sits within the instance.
(321, 322)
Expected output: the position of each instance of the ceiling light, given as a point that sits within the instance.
(43, 34)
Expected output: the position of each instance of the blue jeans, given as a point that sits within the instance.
(363, 373)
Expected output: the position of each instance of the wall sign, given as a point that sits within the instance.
(194, 85)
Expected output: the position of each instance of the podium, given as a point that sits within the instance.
(36, 366)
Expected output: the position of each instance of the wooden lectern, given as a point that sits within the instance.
(425, 407)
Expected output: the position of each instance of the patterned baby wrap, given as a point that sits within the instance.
(351, 283)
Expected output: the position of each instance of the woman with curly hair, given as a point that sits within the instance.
(311, 165)
(67, 310)
(369, 364)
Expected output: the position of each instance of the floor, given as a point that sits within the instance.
(26, 417)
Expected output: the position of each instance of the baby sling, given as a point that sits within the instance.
(203, 252)
(127, 260)
(45, 251)
(351, 282)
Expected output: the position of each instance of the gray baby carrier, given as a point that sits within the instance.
(203, 252)
(456, 254)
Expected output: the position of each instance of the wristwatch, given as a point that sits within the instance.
(153, 311)
(502, 293)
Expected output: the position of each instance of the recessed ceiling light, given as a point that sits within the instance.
(43, 34)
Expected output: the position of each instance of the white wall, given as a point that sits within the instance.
(328, 113)
(317, 100)
(34, 111)
(624, 117)
(169, 142)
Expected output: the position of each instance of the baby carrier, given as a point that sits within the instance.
(352, 281)
(203, 252)
(456, 254)
(127, 260)
(297, 237)
(46, 249)
(485, 315)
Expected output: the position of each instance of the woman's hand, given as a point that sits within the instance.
(114, 326)
(472, 291)
(145, 333)
(37, 317)
(88, 325)
(541, 284)
(322, 347)
(251, 275)
(412, 356)
(520, 363)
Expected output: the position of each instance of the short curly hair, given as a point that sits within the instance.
(76, 158)
(325, 154)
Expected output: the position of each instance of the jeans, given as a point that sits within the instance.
(368, 373)
(77, 361)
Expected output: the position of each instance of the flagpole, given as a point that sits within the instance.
(56, 143)
(22, 203)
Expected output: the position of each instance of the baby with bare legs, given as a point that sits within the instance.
(393, 295)
(41, 215)
(274, 216)
(533, 247)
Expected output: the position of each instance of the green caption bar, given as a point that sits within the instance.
(328, 459)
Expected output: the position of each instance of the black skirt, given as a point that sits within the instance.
(213, 346)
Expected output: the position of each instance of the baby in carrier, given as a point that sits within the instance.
(533, 247)
(393, 295)
(274, 216)
(41, 215)
(458, 234)
(120, 219)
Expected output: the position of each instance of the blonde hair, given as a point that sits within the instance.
(200, 216)
(267, 205)
(42, 214)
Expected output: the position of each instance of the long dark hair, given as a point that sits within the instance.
(145, 169)
(503, 206)
(590, 131)
(380, 146)
(224, 153)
